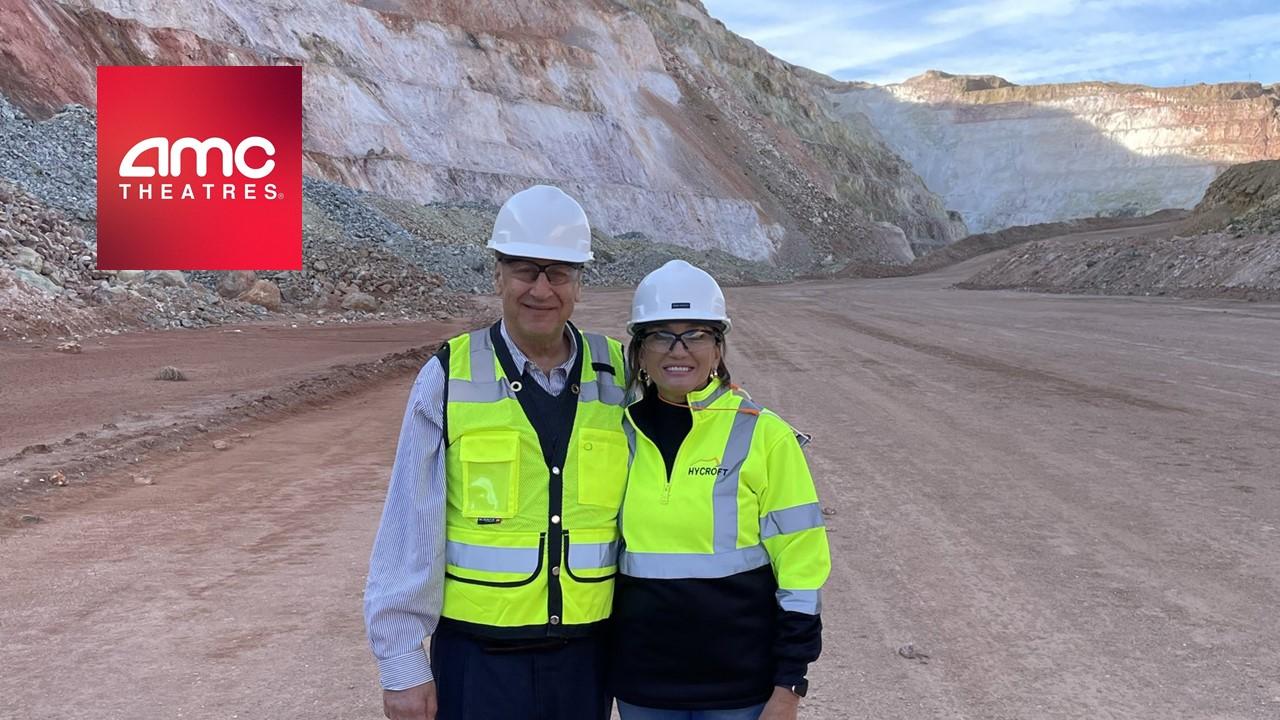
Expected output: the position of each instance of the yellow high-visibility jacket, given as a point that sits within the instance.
(739, 497)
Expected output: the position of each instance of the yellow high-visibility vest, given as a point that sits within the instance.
(531, 544)
(739, 497)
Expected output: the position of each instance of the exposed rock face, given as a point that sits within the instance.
(1003, 154)
(650, 112)
(1246, 195)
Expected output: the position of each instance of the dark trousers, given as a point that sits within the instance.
(477, 679)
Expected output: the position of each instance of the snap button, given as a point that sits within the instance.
(555, 519)
(516, 386)
(586, 446)
(575, 389)
(555, 619)
(555, 571)
(555, 471)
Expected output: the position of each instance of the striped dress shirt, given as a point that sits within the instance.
(405, 588)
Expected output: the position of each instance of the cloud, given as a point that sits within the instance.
(1147, 41)
(1153, 58)
(1004, 12)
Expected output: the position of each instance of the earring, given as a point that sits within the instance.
(644, 376)
(715, 372)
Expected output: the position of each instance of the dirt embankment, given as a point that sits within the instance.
(56, 445)
(1245, 198)
(1229, 248)
(983, 243)
(1205, 266)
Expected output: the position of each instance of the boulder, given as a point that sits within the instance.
(236, 283)
(37, 280)
(27, 258)
(168, 278)
(359, 301)
(264, 293)
(130, 277)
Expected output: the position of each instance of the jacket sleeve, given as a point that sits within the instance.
(404, 592)
(792, 530)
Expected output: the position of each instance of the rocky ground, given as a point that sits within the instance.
(1228, 247)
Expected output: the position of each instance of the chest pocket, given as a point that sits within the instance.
(490, 474)
(602, 467)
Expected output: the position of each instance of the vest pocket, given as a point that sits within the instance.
(495, 559)
(490, 474)
(602, 467)
(591, 555)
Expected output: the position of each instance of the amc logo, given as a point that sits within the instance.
(200, 168)
(170, 157)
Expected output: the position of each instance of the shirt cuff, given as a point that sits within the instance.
(405, 671)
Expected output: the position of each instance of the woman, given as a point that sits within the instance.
(716, 606)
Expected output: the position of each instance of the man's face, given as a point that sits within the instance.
(538, 296)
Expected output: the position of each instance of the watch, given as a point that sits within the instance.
(801, 688)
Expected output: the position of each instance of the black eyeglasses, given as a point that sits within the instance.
(693, 340)
(527, 271)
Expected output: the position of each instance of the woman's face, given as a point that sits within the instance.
(679, 356)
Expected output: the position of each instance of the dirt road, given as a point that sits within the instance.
(1069, 503)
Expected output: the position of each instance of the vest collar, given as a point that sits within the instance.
(708, 395)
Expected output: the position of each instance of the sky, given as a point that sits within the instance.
(1152, 42)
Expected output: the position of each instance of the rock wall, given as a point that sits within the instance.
(656, 117)
(1002, 154)
(1244, 199)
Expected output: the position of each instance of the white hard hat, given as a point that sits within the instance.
(542, 222)
(677, 291)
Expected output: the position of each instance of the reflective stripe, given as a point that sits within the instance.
(589, 556)
(483, 387)
(482, 357)
(715, 395)
(604, 388)
(601, 391)
(630, 431)
(479, 392)
(725, 493)
(692, 565)
(599, 347)
(487, 558)
(808, 602)
(793, 519)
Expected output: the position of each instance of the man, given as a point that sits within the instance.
(499, 535)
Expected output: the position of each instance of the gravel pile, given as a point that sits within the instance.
(49, 286)
(625, 259)
(1208, 265)
(445, 240)
(53, 160)
(365, 255)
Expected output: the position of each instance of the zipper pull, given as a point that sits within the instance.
(666, 494)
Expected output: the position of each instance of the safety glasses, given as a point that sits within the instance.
(527, 271)
(694, 340)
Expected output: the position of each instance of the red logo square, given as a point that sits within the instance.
(200, 168)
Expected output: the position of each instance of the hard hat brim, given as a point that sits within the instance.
(540, 252)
